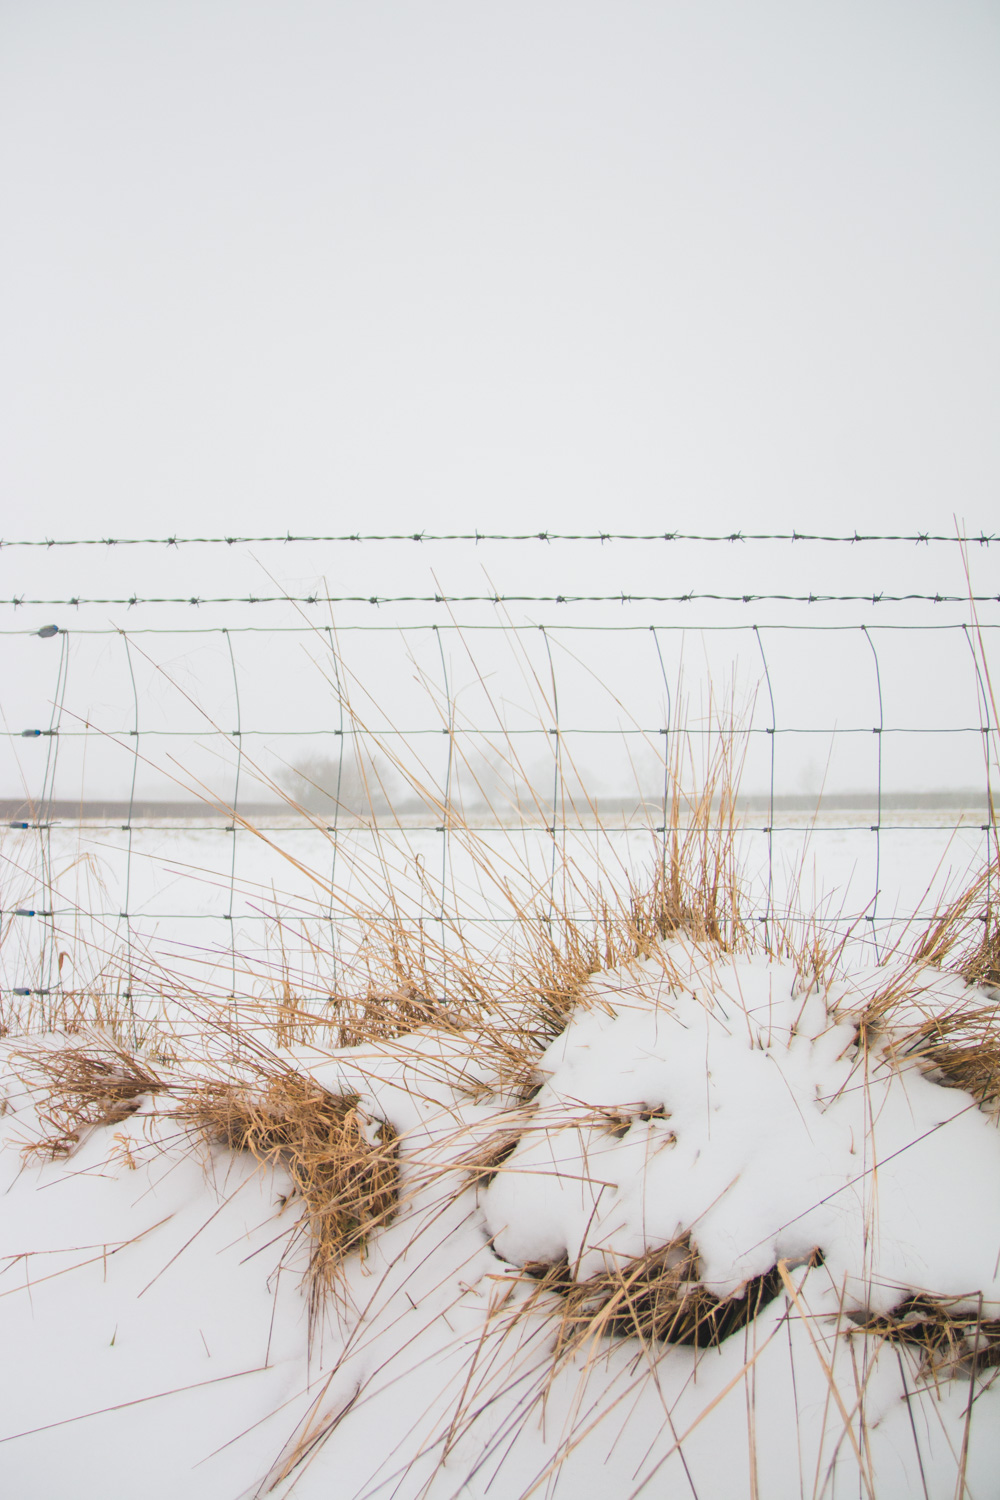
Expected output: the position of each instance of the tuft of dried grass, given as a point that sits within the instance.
(658, 1297)
(561, 955)
(961, 1047)
(982, 962)
(693, 889)
(95, 1083)
(343, 1165)
(956, 1040)
(484, 1161)
(384, 1014)
(696, 887)
(951, 1340)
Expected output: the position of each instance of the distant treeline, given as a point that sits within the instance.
(14, 811)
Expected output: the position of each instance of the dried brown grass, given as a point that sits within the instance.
(692, 888)
(696, 887)
(658, 1297)
(385, 1014)
(961, 1046)
(950, 1339)
(343, 1165)
(957, 1039)
(981, 965)
(88, 1084)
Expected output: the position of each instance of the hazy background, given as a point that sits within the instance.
(392, 264)
(402, 266)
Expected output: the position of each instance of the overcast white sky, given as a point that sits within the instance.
(641, 263)
(631, 265)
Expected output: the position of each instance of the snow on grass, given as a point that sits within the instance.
(670, 1267)
(775, 1134)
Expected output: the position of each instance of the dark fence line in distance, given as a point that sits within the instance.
(15, 811)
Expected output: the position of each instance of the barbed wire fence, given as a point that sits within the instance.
(958, 537)
(53, 828)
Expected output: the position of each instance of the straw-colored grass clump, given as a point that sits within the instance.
(658, 1297)
(85, 1085)
(343, 1165)
(951, 1339)
(951, 1032)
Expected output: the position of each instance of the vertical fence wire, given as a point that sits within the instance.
(445, 830)
(665, 731)
(334, 828)
(990, 826)
(769, 830)
(128, 829)
(558, 798)
(238, 737)
(877, 826)
(47, 958)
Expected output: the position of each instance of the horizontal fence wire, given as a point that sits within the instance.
(918, 538)
(392, 731)
(479, 627)
(148, 825)
(920, 914)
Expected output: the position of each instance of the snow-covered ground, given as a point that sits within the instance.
(154, 1312)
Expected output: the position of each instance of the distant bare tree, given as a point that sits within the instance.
(321, 783)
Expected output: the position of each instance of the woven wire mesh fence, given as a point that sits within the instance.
(213, 801)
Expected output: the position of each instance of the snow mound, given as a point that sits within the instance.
(706, 1096)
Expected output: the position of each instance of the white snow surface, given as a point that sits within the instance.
(777, 1138)
(153, 1314)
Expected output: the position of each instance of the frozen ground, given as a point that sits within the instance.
(154, 1321)
(153, 1304)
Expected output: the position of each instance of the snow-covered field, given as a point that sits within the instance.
(723, 1235)
(233, 909)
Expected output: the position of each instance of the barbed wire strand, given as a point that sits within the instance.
(394, 732)
(135, 601)
(915, 538)
(144, 825)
